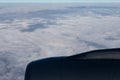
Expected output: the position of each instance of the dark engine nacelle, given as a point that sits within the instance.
(92, 65)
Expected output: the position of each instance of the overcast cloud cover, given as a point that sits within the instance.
(33, 31)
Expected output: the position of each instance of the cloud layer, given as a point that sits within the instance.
(30, 32)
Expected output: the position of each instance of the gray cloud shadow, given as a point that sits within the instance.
(90, 43)
(33, 27)
(111, 38)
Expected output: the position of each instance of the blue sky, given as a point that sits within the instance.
(59, 0)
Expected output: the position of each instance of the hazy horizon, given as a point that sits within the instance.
(59, 1)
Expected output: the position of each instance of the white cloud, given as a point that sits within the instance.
(64, 34)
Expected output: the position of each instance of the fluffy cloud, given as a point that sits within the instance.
(30, 34)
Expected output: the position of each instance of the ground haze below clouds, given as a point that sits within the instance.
(33, 31)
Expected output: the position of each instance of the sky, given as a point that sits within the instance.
(49, 1)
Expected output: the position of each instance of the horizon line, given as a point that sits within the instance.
(61, 2)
